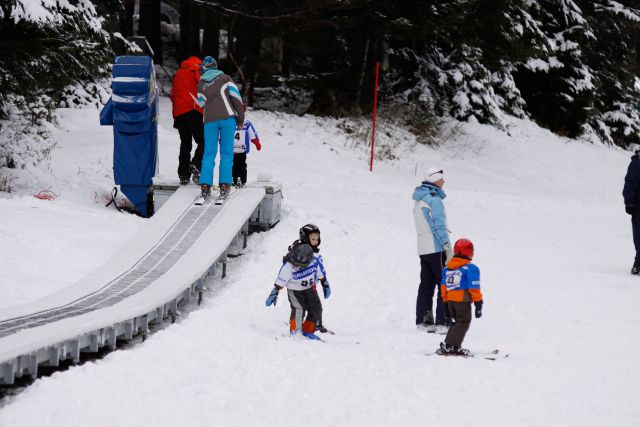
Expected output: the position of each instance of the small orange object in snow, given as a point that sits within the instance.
(45, 195)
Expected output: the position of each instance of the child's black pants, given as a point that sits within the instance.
(239, 170)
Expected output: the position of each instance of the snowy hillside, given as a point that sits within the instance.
(552, 241)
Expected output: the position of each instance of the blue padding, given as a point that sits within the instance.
(132, 110)
(106, 115)
(134, 59)
(134, 158)
(137, 194)
(127, 70)
(129, 87)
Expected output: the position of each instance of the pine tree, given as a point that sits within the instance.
(44, 50)
(558, 85)
(613, 55)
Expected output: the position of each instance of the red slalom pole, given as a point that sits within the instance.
(375, 105)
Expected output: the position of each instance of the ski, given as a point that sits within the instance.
(222, 197)
(488, 355)
(298, 337)
(201, 199)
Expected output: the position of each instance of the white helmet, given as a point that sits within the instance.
(433, 174)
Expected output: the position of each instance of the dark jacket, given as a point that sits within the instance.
(631, 190)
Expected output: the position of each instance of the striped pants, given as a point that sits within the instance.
(300, 302)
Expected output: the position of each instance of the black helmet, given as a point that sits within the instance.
(305, 230)
(302, 255)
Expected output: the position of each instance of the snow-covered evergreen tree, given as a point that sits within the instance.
(612, 54)
(46, 48)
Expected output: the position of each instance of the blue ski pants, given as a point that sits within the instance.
(223, 131)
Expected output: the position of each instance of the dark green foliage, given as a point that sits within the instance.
(39, 60)
(570, 65)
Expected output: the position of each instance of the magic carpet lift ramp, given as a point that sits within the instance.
(164, 264)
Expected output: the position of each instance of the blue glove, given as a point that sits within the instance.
(272, 299)
(326, 290)
(478, 305)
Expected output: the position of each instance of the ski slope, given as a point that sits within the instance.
(552, 241)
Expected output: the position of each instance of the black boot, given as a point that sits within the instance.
(636, 268)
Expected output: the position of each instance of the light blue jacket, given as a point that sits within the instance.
(430, 218)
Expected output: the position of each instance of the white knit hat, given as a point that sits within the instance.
(433, 174)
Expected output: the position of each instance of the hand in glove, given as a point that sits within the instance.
(272, 299)
(256, 142)
(630, 209)
(326, 290)
(448, 250)
(478, 305)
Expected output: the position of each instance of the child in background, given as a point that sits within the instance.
(310, 234)
(460, 287)
(247, 133)
(298, 274)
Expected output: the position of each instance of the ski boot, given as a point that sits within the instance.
(636, 268)
(184, 180)
(224, 192)
(320, 328)
(204, 195)
(427, 322)
(453, 350)
(195, 175)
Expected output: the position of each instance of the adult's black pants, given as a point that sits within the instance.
(635, 224)
(190, 127)
(431, 266)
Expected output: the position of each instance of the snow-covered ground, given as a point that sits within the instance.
(552, 241)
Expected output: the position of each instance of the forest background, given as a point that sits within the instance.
(571, 66)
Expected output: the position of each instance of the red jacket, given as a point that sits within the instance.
(185, 84)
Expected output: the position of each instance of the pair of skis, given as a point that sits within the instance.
(489, 355)
(201, 199)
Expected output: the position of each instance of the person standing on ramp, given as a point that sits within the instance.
(223, 112)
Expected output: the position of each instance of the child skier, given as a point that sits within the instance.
(298, 274)
(460, 287)
(245, 134)
(310, 234)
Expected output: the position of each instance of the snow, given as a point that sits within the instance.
(552, 241)
(48, 12)
(537, 64)
(628, 12)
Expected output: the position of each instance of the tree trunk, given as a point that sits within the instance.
(126, 18)
(211, 36)
(149, 26)
(189, 30)
(363, 72)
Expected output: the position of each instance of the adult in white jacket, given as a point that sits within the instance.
(433, 248)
